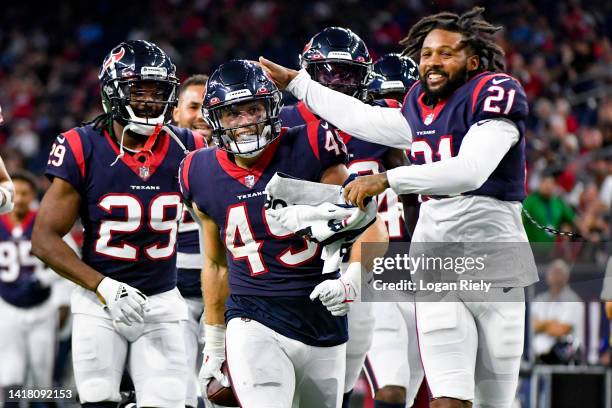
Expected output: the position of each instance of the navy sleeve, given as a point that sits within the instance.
(183, 176)
(498, 96)
(326, 144)
(67, 159)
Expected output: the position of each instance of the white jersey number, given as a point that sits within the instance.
(240, 241)
(134, 220)
(423, 147)
(14, 255)
(389, 207)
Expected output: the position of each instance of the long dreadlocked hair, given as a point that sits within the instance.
(104, 119)
(477, 33)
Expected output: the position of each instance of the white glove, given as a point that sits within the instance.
(338, 294)
(125, 303)
(214, 356)
(6, 197)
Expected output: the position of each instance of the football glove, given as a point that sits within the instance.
(124, 303)
(6, 197)
(337, 294)
(213, 355)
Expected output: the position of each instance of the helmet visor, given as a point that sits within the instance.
(347, 78)
(148, 99)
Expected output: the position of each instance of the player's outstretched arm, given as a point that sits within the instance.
(385, 126)
(58, 212)
(215, 288)
(483, 148)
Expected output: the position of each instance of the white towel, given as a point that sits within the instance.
(317, 211)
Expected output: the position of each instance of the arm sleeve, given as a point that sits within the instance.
(183, 177)
(67, 160)
(386, 126)
(482, 149)
(331, 148)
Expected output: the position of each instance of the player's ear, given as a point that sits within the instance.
(473, 63)
(175, 114)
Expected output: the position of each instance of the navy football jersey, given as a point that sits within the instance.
(19, 283)
(271, 270)
(438, 131)
(129, 209)
(364, 158)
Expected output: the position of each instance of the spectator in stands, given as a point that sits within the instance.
(547, 209)
(558, 318)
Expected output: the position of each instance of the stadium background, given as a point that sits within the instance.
(560, 51)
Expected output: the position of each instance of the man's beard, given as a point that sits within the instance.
(452, 83)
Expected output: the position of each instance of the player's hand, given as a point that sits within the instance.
(213, 355)
(363, 187)
(279, 74)
(338, 294)
(125, 303)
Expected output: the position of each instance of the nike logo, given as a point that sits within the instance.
(61, 139)
(482, 122)
(324, 125)
(496, 81)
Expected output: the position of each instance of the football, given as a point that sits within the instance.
(220, 395)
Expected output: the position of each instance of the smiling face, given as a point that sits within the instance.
(188, 113)
(445, 63)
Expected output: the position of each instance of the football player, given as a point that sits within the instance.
(464, 123)
(188, 114)
(282, 347)
(393, 364)
(339, 59)
(29, 296)
(118, 173)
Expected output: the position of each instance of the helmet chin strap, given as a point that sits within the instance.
(132, 127)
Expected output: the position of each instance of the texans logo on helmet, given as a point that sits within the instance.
(113, 58)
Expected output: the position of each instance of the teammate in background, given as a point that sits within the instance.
(338, 59)
(119, 174)
(30, 295)
(393, 364)
(188, 114)
(282, 348)
(392, 77)
(464, 123)
(6, 186)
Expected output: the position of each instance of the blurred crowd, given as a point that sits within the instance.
(559, 50)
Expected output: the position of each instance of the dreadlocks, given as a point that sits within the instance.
(477, 33)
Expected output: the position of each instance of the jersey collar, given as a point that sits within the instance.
(249, 177)
(146, 161)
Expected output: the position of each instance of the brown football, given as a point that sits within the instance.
(220, 395)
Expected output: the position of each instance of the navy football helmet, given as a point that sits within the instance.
(392, 76)
(337, 58)
(139, 85)
(241, 85)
